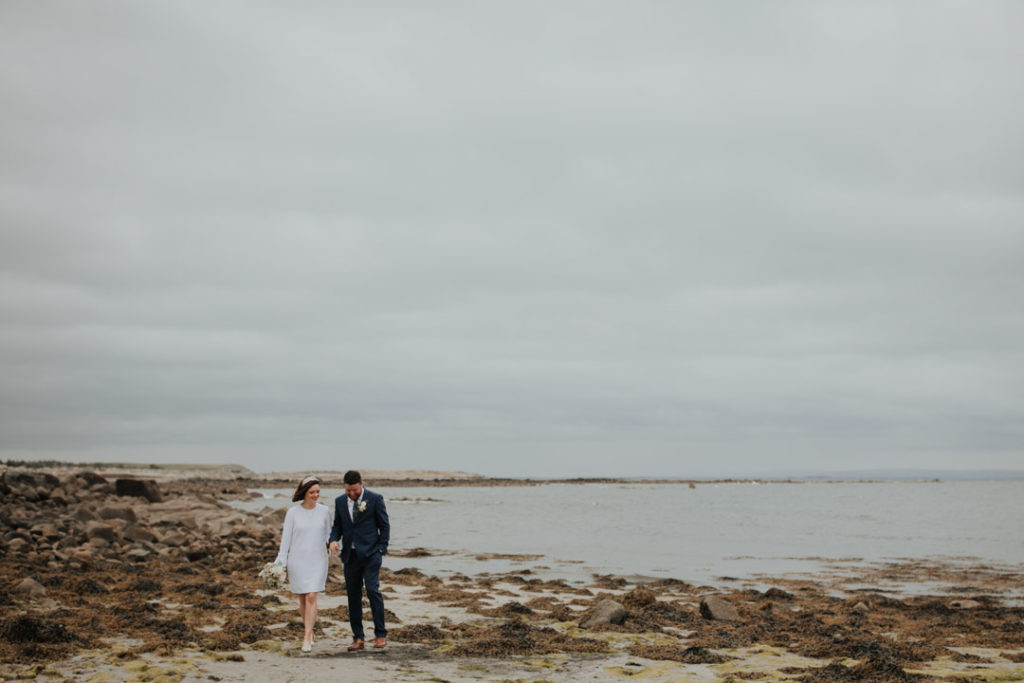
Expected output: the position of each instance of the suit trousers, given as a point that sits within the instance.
(360, 570)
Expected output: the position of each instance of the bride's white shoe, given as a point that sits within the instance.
(307, 647)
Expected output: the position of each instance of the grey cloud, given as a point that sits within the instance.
(513, 238)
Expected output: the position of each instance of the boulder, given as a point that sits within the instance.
(173, 539)
(84, 514)
(139, 488)
(99, 530)
(718, 609)
(275, 518)
(30, 587)
(603, 613)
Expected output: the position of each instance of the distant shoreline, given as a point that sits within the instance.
(240, 475)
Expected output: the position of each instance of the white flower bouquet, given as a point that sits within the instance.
(273, 575)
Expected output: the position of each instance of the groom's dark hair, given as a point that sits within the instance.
(352, 477)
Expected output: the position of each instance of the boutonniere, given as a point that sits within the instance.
(362, 506)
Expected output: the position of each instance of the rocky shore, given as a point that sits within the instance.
(129, 578)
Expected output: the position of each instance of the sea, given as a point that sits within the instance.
(702, 534)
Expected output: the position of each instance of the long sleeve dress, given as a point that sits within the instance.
(304, 547)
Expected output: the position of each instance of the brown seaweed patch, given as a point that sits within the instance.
(516, 637)
(26, 629)
(418, 633)
(877, 669)
(412, 552)
(520, 557)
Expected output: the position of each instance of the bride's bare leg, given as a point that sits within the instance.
(309, 619)
(304, 613)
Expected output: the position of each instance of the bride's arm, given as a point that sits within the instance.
(286, 538)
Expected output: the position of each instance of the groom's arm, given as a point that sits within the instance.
(336, 527)
(383, 526)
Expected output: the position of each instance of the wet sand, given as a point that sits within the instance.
(124, 588)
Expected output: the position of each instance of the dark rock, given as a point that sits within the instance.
(196, 554)
(139, 488)
(778, 594)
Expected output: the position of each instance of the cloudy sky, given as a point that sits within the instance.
(513, 238)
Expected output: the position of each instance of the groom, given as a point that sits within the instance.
(361, 523)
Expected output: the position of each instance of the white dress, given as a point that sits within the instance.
(304, 547)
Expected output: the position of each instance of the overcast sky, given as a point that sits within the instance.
(513, 238)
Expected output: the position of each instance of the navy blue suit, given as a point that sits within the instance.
(364, 540)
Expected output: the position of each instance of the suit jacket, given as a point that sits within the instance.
(370, 531)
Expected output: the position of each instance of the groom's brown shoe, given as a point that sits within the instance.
(357, 644)
(380, 642)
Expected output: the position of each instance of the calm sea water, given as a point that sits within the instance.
(699, 534)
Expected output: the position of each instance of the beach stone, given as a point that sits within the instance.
(83, 555)
(139, 488)
(718, 609)
(604, 613)
(275, 518)
(90, 478)
(60, 497)
(68, 541)
(124, 512)
(138, 555)
(861, 608)
(94, 530)
(25, 536)
(42, 480)
(101, 489)
(84, 513)
(173, 539)
(17, 544)
(47, 531)
(31, 587)
(965, 604)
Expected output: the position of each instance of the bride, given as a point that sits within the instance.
(304, 551)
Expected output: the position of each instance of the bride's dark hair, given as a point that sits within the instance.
(304, 485)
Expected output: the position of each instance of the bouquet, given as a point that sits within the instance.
(273, 575)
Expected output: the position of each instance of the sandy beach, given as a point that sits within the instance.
(160, 584)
